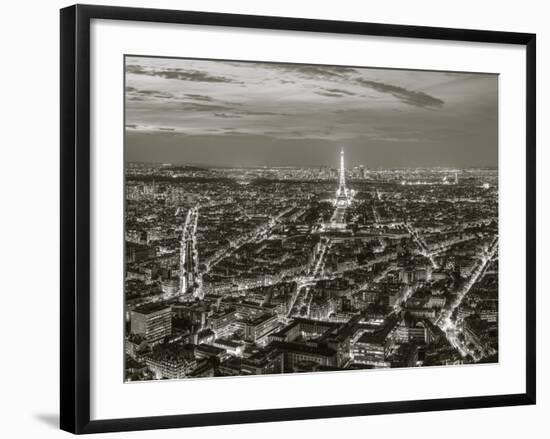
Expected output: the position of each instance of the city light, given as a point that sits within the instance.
(386, 272)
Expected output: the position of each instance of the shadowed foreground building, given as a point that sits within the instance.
(296, 354)
(171, 361)
(152, 321)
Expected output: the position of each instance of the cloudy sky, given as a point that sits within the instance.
(251, 114)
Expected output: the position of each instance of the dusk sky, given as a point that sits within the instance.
(226, 113)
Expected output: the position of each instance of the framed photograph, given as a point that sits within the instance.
(274, 218)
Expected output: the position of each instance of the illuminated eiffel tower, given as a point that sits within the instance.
(342, 195)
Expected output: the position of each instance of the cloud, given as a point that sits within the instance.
(198, 97)
(314, 71)
(227, 115)
(194, 106)
(335, 93)
(340, 91)
(258, 113)
(308, 134)
(416, 98)
(297, 103)
(329, 94)
(151, 93)
(176, 73)
(225, 109)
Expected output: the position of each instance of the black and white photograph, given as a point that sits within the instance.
(301, 218)
(263, 219)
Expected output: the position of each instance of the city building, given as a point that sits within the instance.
(152, 321)
(171, 361)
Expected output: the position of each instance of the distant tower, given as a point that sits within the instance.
(342, 191)
(342, 194)
(456, 177)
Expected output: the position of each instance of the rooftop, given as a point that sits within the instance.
(150, 308)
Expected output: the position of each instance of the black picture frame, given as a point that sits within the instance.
(75, 217)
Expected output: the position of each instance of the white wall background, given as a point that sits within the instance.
(29, 206)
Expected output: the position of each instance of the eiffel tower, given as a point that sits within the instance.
(342, 196)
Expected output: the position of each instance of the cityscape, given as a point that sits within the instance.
(236, 270)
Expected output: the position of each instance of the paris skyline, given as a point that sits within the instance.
(225, 113)
(336, 218)
(239, 272)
